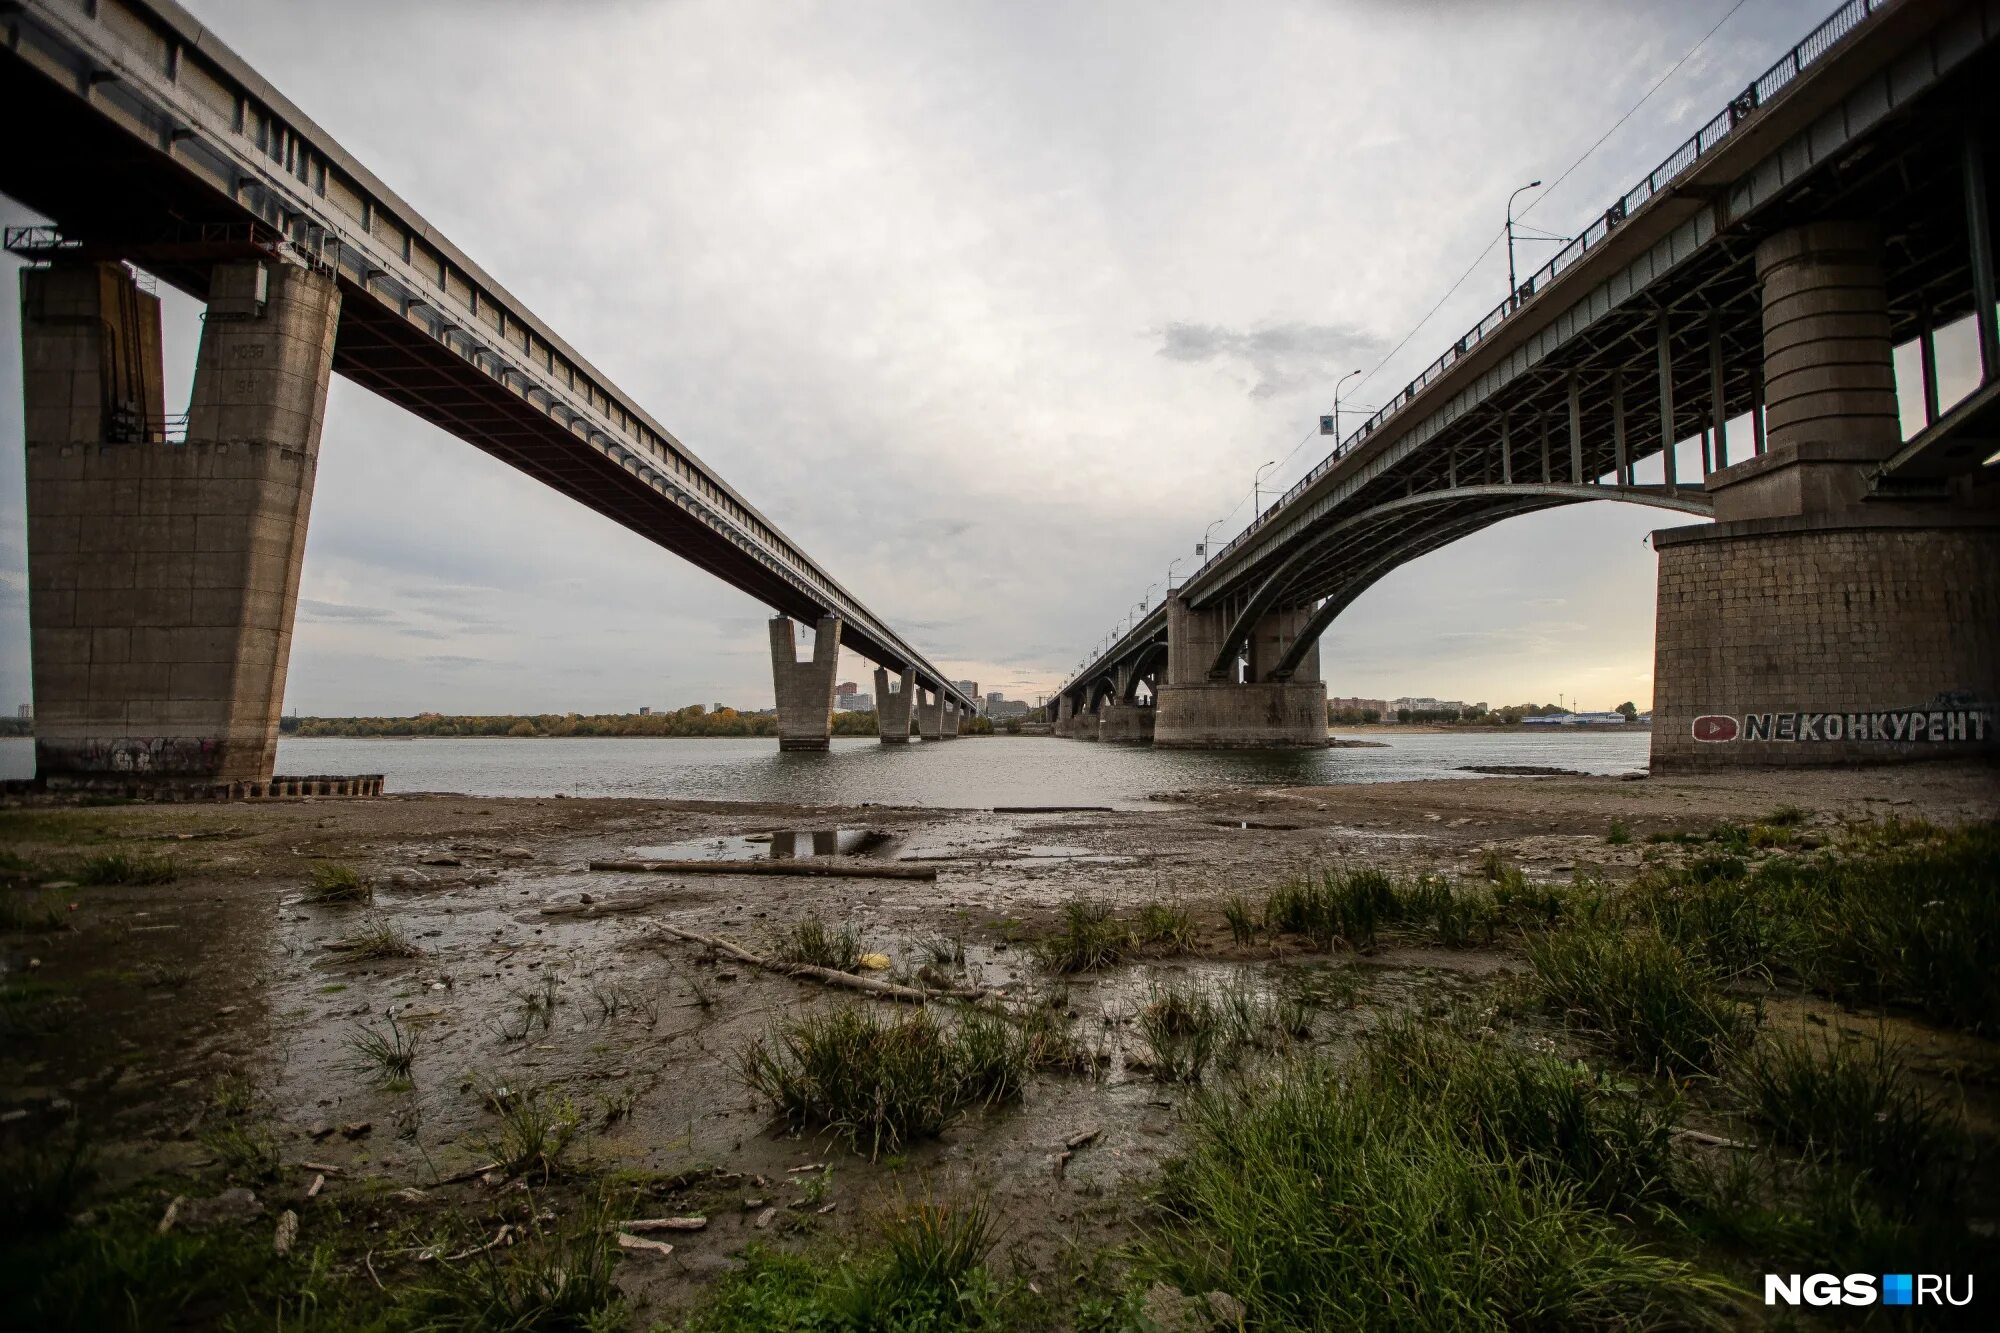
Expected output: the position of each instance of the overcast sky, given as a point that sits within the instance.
(994, 308)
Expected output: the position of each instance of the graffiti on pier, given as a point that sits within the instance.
(132, 754)
(1947, 720)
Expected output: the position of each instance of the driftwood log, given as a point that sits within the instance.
(872, 985)
(801, 867)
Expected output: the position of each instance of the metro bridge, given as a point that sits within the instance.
(164, 551)
(1748, 294)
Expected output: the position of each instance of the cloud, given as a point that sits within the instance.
(313, 609)
(1283, 357)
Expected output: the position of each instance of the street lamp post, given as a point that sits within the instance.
(1170, 571)
(1336, 404)
(1513, 284)
(1257, 490)
(1202, 550)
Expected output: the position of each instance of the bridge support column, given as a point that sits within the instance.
(948, 724)
(892, 711)
(1261, 712)
(930, 714)
(1126, 724)
(805, 689)
(1816, 622)
(164, 577)
(1065, 716)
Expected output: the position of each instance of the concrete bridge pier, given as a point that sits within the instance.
(805, 689)
(1126, 724)
(948, 724)
(930, 714)
(892, 711)
(163, 575)
(1820, 620)
(1259, 710)
(1065, 722)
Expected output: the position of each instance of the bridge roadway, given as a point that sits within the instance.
(146, 139)
(1653, 326)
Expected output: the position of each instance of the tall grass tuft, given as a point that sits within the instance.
(1164, 929)
(1086, 938)
(124, 868)
(1242, 923)
(1855, 1103)
(333, 882)
(880, 1084)
(1339, 1198)
(810, 942)
(1352, 906)
(554, 1275)
(388, 1054)
(1657, 1003)
(378, 939)
(536, 1132)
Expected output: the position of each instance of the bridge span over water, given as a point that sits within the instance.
(164, 551)
(1749, 294)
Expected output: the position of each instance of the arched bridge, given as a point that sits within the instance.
(1718, 343)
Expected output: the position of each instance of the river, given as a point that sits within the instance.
(973, 772)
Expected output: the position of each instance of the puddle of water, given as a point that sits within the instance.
(778, 845)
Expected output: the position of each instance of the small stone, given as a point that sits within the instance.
(1228, 1311)
(751, 1205)
(320, 1131)
(628, 1241)
(764, 1218)
(586, 898)
(287, 1233)
(225, 1011)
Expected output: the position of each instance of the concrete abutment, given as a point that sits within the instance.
(1194, 711)
(892, 710)
(164, 575)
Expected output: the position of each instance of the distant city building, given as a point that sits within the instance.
(26, 712)
(970, 689)
(1580, 720)
(853, 702)
(645, 712)
(844, 695)
(1356, 704)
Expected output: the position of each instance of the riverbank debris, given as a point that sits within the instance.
(799, 867)
(889, 989)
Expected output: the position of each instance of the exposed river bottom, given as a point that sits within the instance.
(533, 973)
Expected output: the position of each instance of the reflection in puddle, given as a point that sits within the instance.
(778, 845)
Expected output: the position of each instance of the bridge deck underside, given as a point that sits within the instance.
(122, 199)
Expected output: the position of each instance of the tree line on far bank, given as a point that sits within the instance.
(1491, 717)
(694, 720)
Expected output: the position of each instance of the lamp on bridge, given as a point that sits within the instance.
(1257, 490)
(1330, 425)
(1513, 284)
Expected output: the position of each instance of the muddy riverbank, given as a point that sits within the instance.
(207, 1029)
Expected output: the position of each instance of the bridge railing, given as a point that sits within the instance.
(1788, 67)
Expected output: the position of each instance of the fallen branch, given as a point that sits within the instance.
(642, 1225)
(801, 867)
(828, 975)
(1714, 1140)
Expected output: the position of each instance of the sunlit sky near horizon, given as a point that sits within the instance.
(994, 308)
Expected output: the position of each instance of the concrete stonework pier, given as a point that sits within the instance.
(1816, 622)
(930, 714)
(164, 575)
(1196, 712)
(805, 689)
(949, 721)
(892, 711)
(1126, 724)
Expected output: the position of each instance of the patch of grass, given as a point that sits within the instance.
(1164, 929)
(1340, 1197)
(1785, 816)
(553, 1275)
(536, 1132)
(1352, 906)
(1184, 1027)
(378, 939)
(1855, 1102)
(1907, 916)
(1086, 938)
(1618, 835)
(333, 882)
(126, 868)
(41, 1181)
(941, 950)
(1242, 924)
(880, 1084)
(1657, 1003)
(927, 1271)
(32, 913)
(387, 1054)
(810, 942)
(236, 1128)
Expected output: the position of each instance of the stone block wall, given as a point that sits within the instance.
(1781, 643)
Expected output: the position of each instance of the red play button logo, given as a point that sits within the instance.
(1714, 727)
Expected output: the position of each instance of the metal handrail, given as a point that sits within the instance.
(1788, 67)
